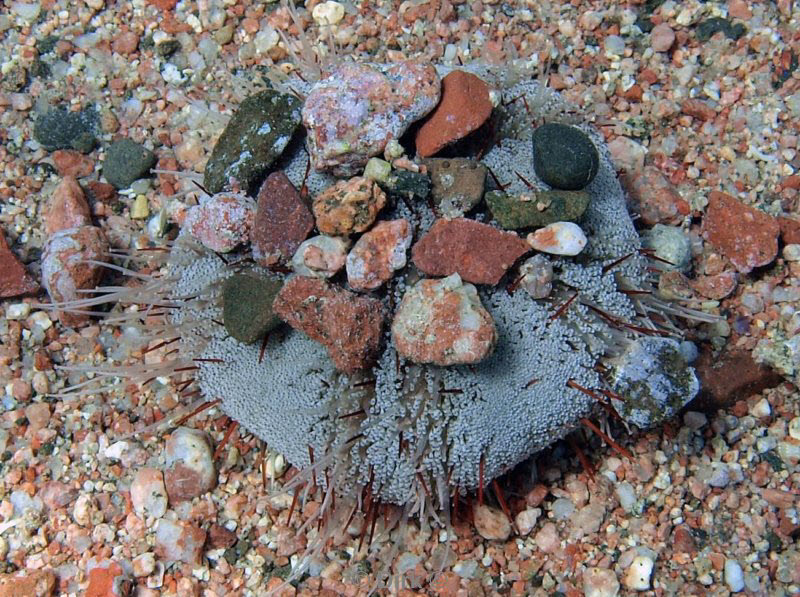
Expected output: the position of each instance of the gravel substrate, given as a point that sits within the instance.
(694, 97)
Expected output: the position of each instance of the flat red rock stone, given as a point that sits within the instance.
(69, 162)
(464, 107)
(745, 235)
(14, 279)
(348, 325)
(479, 253)
(282, 221)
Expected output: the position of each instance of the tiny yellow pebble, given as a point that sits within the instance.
(140, 209)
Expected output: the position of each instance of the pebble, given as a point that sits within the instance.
(18, 311)
(247, 306)
(638, 576)
(127, 161)
(321, 256)
(178, 541)
(352, 114)
(282, 221)
(626, 154)
(464, 107)
(536, 276)
(671, 244)
(67, 207)
(144, 564)
(222, 222)
(654, 197)
(794, 428)
(559, 238)
(791, 252)
(189, 470)
(69, 162)
(348, 325)
(745, 235)
(694, 420)
(734, 576)
(328, 13)
(716, 287)
(107, 579)
(547, 538)
(28, 583)
(443, 322)
(492, 524)
(65, 267)
(761, 409)
(526, 520)
(14, 279)
(662, 37)
(58, 128)
(253, 139)
(600, 582)
(378, 254)
(148, 493)
(457, 184)
(479, 253)
(626, 495)
(562, 508)
(349, 206)
(140, 209)
(564, 157)
(377, 170)
(537, 209)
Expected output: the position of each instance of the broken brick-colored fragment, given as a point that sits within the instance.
(464, 107)
(282, 221)
(33, 583)
(348, 325)
(790, 230)
(14, 279)
(745, 235)
(477, 252)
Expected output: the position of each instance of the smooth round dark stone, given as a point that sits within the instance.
(564, 157)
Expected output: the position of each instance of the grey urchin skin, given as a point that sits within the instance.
(405, 428)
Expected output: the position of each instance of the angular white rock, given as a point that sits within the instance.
(558, 238)
(320, 256)
(639, 572)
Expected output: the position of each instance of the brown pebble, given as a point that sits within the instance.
(101, 191)
(698, 109)
(14, 279)
(745, 235)
(67, 207)
(728, 377)
(125, 43)
(654, 198)
(29, 583)
(69, 162)
(282, 221)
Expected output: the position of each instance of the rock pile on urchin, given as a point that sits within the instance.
(390, 399)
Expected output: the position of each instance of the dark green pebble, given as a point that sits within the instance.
(564, 157)
(127, 161)
(255, 137)
(543, 208)
(61, 129)
(247, 306)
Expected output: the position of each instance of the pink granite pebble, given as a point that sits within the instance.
(348, 206)
(178, 541)
(662, 37)
(222, 222)
(67, 266)
(443, 322)
(351, 115)
(148, 493)
(67, 207)
(320, 256)
(378, 254)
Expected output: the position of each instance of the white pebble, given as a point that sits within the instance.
(791, 252)
(600, 582)
(638, 576)
(761, 409)
(18, 311)
(526, 520)
(794, 428)
(558, 238)
(734, 577)
(328, 13)
(626, 495)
